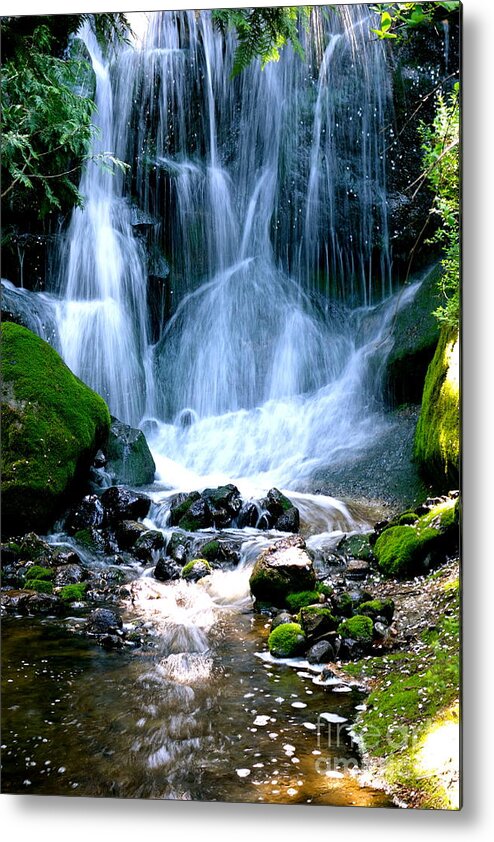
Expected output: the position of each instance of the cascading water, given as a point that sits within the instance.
(257, 187)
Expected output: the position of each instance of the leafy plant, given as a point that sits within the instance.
(397, 18)
(441, 145)
(262, 32)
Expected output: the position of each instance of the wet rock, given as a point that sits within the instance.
(30, 547)
(128, 458)
(285, 567)
(380, 630)
(320, 652)
(91, 539)
(15, 601)
(167, 570)
(104, 621)
(64, 555)
(89, 513)
(127, 532)
(198, 516)
(122, 504)
(248, 515)
(281, 617)
(148, 545)
(99, 460)
(111, 641)
(317, 620)
(195, 570)
(178, 547)
(180, 505)
(224, 504)
(220, 552)
(43, 603)
(278, 512)
(289, 521)
(357, 569)
(69, 574)
(378, 607)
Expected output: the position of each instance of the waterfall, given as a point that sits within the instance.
(266, 195)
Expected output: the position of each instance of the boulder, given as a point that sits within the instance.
(128, 458)
(285, 567)
(195, 570)
(281, 513)
(120, 504)
(357, 628)
(69, 574)
(281, 618)
(317, 620)
(149, 544)
(320, 653)
(167, 570)
(52, 426)
(88, 513)
(127, 532)
(104, 621)
(180, 505)
(356, 547)
(286, 641)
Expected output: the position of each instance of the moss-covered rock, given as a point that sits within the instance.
(73, 593)
(437, 437)
(287, 641)
(39, 585)
(358, 628)
(356, 546)
(196, 569)
(316, 620)
(52, 425)
(39, 572)
(409, 550)
(377, 608)
(284, 568)
(129, 459)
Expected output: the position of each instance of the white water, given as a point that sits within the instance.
(269, 196)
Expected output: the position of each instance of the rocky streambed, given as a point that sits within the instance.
(190, 645)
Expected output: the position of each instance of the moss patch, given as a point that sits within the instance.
(188, 569)
(38, 572)
(296, 601)
(39, 585)
(408, 550)
(437, 437)
(52, 424)
(286, 641)
(73, 593)
(412, 694)
(377, 608)
(357, 628)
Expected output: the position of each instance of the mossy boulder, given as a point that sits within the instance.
(52, 426)
(410, 550)
(73, 593)
(129, 459)
(38, 572)
(287, 641)
(377, 608)
(415, 333)
(358, 628)
(284, 568)
(39, 585)
(316, 620)
(196, 569)
(437, 436)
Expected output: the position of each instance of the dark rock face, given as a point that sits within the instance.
(196, 570)
(128, 458)
(320, 653)
(148, 544)
(167, 570)
(121, 504)
(180, 505)
(127, 532)
(280, 619)
(89, 513)
(281, 513)
(104, 621)
(317, 621)
(69, 574)
(216, 507)
(248, 515)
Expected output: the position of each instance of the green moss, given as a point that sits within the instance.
(437, 437)
(52, 424)
(412, 693)
(286, 641)
(296, 601)
(357, 628)
(39, 585)
(210, 550)
(187, 569)
(377, 608)
(190, 524)
(179, 511)
(317, 620)
(323, 588)
(73, 593)
(403, 550)
(406, 519)
(38, 572)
